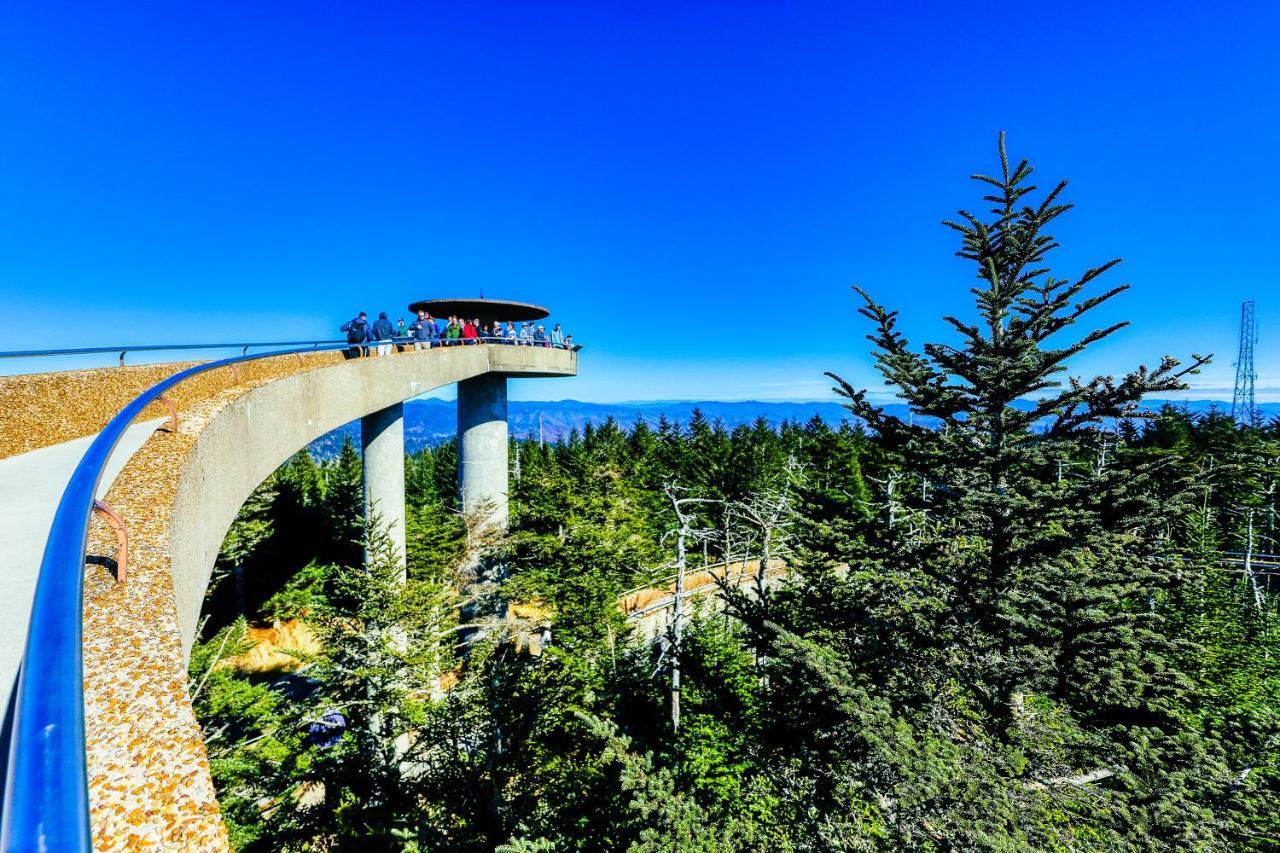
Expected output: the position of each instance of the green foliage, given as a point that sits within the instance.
(434, 534)
(1000, 582)
(343, 506)
(1009, 622)
(252, 526)
(385, 647)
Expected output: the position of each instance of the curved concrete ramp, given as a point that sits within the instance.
(31, 484)
(148, 769)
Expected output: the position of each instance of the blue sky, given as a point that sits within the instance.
(692, 188)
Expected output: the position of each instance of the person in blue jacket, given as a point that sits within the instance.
(357, 330)
(424, 331)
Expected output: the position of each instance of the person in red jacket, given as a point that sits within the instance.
(470, 332)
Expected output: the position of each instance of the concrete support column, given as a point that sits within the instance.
(482, 448)
(382, 442)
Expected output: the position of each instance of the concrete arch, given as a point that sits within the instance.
(253, 435)
(147, 762)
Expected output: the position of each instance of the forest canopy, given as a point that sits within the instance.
(1031, 616)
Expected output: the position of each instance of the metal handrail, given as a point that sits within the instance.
(245, 347)
(241, 345)
(46, 803)
(46, 796)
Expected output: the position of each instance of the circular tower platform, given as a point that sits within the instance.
(485, 310)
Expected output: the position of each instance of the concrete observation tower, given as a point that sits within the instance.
(482, 432)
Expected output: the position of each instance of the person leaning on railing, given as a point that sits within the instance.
(557, 337)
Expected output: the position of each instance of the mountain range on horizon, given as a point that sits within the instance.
(433, 421)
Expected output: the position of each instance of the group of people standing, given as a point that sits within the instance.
(425, 332)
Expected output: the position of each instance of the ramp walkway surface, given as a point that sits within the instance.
(31, 484)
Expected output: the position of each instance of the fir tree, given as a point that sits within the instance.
(386, 642)
(253, 525)
(1017, 591)
(344, 505)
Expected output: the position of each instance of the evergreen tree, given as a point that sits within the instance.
(344, 505)
(1019, 595)
(435, 535)
(252, 527)
(386, 643)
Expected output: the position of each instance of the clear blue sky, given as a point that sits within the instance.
(691, 187)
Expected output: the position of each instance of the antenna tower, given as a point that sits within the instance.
(1244, 408)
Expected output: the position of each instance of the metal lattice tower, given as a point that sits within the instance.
(1244, 408)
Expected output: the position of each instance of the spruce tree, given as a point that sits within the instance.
(386, 642)
(344, 505)
(252, 526)
(1023, 561)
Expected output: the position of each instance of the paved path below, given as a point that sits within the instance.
(31, 485)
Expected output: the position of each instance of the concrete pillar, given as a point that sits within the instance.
(382, 441)
(482, 448)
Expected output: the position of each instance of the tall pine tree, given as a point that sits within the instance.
(1013, 596)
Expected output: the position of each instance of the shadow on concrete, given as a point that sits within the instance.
(6, 733)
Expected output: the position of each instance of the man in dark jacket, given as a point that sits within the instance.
(382, 332)
(357, 333)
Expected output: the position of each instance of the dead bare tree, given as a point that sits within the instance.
(734, 538)
(771, 511)
(686, 533)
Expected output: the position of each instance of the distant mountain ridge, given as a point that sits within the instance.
(433, 421)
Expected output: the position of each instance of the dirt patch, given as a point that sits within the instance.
(281, 647)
